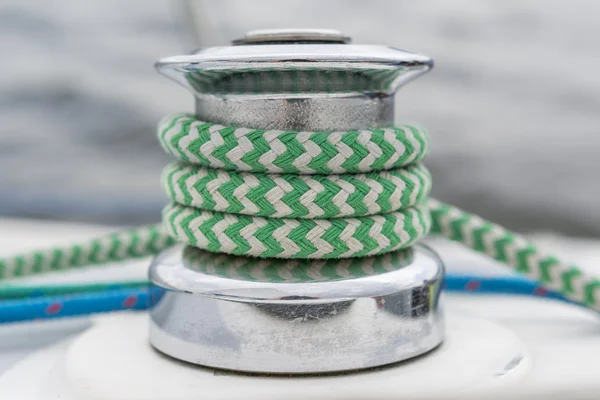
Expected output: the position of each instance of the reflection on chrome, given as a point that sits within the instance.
(293, 316)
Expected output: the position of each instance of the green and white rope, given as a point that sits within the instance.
(275, 151)
(296, 238)
(516, 252)
(114, 247)
(296, 196)
(305, 195)
(374, 166)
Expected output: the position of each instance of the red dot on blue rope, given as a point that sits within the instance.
(541, 291)
(54, 308)
(473, 285)
(130, 301)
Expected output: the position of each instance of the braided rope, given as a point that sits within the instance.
(274, 151)
(296, 196)
(136, 243)
(482, 236)
(290, 215)
(223, 212)
(296, 238)
(515, 251)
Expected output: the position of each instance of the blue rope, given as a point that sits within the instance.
(48, 307)
(140, 298)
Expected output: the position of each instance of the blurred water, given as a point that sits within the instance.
(513, 105)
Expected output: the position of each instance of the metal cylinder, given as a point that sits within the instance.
(290, 316)
(237, 313)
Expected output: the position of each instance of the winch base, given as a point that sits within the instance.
(295, 316)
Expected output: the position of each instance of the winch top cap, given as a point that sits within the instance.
(292, 62)
(292, 36)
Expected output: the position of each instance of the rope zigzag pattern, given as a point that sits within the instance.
(134, 243)
(296, 196)
(515, 251)
(285, 214)
(274, 151)
(296, 238)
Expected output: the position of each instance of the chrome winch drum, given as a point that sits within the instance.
(296, 316)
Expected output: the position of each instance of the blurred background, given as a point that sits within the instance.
(513, 105)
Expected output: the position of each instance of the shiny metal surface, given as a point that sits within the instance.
(307, 80)
(295, 70)
(263, 36)
(317, 83)
(290, 316)
(308, 114)
(238, 313)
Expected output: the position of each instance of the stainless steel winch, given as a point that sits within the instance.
(232, 312)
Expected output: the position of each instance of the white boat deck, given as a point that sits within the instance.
(496, 345)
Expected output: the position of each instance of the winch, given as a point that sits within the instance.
(291, 315)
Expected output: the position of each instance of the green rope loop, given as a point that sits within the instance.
(296, 238)
(296, 196)
(275, 151)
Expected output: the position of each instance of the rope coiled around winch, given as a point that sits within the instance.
(292, 214)
(271, 193)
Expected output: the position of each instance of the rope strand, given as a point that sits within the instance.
(301, 195)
